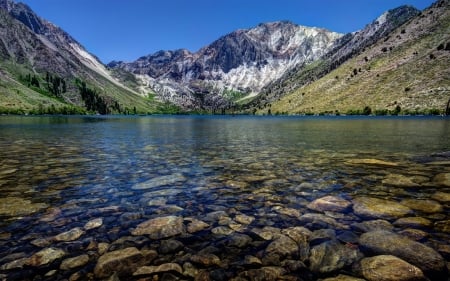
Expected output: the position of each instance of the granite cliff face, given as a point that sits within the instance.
(235, 66)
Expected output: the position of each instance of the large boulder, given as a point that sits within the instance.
(379, 208)
(331, 256)
(388, 243)
(390, 268)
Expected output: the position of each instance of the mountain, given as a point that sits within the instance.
(345, 48)
(405, 70)
(43, 67)
(236, 65)
(399, 62)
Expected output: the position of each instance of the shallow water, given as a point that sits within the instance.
(58, 173)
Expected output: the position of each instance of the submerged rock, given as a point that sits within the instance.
(330, 203)
(282, 246)
(442, 179)
(160, 181)
(372, 225)
(244, 219)
(95, 223)
(166, 267)
(123, 262)
(390, 268)
(379, 208)
(342, 277)
(269, 273)
(206, 259)
(372, 162)
(399, 181)
(413, 222)
(74, 262)
(46, 256)
(441, 196)
(161, 227)
(388, 243)
(425, 206)
(196, 226)
(442, 226)
(15, 206)
(331, 256)
(70, 235)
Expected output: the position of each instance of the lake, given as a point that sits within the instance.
(223, 198)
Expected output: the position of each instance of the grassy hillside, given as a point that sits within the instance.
(407, 71)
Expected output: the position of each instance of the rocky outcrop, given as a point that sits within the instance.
(388, 243)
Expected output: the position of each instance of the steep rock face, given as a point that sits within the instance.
(243, 61)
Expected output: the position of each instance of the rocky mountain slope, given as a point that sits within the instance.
(42, 67)
(406, 71)
(345, 48)
(237, 65)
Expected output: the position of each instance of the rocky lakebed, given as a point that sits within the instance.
(246, 208)
(249, 226)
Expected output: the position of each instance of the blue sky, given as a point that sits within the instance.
(126, 30)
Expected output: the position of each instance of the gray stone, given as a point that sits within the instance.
(372, 162)
(379, 208)
(15, 264)
(166, 267)
(322, 220)
(390, 268)
(372, 225)
(425, 206)
(95, 223)
(160, 181)
(252, 261)
(124, 262)
(442, 226)
(387, 243)
(330, 203)
(244, 219)
(74, 262)
(414, 234)
(170, 246)
(417, 222)
(238, 240)
(267, 233)
(322, 235)
(332, 256)
(268, 273)
(206, 259)
(70, 235)
(399, 181)
(282, 246)
(342, 277)
(222, 230)
(442, 179)
(46, 256)
(161, 227)
(15, 206)
(441, 196)
(196, 226)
